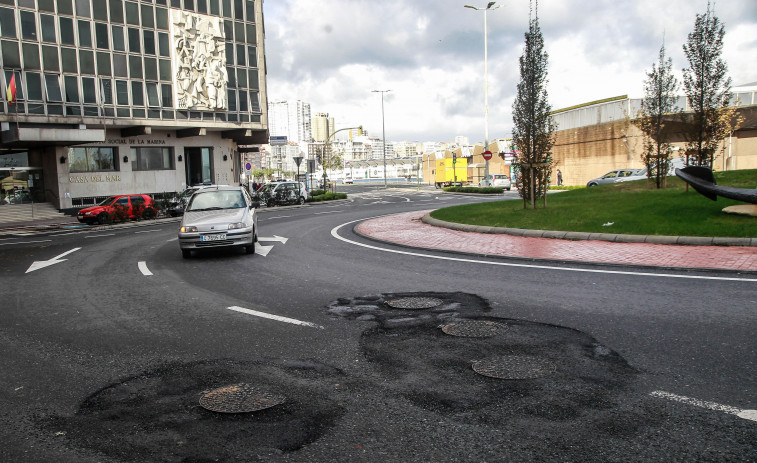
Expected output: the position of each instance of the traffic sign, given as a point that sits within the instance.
(487, 155)
(248, 166)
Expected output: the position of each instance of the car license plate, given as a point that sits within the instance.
(216, 237)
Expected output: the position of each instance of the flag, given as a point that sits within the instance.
(11, 94)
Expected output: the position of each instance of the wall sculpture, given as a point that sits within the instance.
(199, 62)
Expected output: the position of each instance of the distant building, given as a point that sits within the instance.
(323, 127)
(290, 119)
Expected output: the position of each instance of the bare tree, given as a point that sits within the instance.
(533, 127)
(658, 102)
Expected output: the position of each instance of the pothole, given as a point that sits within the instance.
(415, 303)
(515, 367)
(239, 398)
(474, 328)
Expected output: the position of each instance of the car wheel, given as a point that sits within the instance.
(592, 184)
(301, 201)
(186, 253)
(148, 214)
(250, 248)
(103, 218)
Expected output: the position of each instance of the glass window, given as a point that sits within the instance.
(151, 69)
(152, 158)
(116, 11)
(161, 18)
(69, 60)
(243, 102)
(31, 56)
(119, 66)
(100, 10)
(50, 58)
(85, 35)
(33, 86)
(47, 24)
(86, 62)
(101, 36)
(46, 5)
(254, 79)
(91, 159)
(214, 7)
(239, 9)
(25, 3)
(82, 8)
(135, 41)
(252, 56)
(202, 6)
(137, 94)
(176, 3)
(11, 58)
(232, 100)
(71, 88)
(251, 34)
(65, 7)
(89, 95)
(117, 32)
(164, 69)
(132, 13)
(149, 42)
(52, 87)
(254, 102)
(166, 95)
(122, 92)
(232, 75)
(227, 9)
(164, 48)
(147, 16)
(241, 55)
(152, 94)
(238, 31)
(189, 5)
(7, 23)
(229, 53)
(66, 31)
(228, 30)
(135, 67)
(250, 11)
(103, 64)
(241, 78)
(106, 91)
(28, 25)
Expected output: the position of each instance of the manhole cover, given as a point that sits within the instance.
(239, 398)
(415, 303)
(474, 328)
(514, 367)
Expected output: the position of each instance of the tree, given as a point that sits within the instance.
(533, 128)
(708, 90)
(659, 101)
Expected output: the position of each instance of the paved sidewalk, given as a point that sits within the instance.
(407, 229)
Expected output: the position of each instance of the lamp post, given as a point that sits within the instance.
(486, 86)
(383, 128)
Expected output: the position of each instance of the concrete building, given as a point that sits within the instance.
(125, 97)
(290, 119)
(323, 127)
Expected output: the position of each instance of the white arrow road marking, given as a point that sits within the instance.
(278, 238)
(36, 265)
(143, 268)
(262, 250)
(745, 414)
(274, 317)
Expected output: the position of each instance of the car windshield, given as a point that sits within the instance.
(107, 201)
(215, 200)
(267, 187)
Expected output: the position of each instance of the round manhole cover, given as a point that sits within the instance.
(474, 328)
(239, 398)
(514, 367)
(415, 303)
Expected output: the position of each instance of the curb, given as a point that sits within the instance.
(575, 236)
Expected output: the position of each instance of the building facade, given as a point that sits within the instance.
(323, 127)
(121, 97)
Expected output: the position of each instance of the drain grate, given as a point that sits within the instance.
(415, 303)
(474, 328)
(239, 398)
(514, 367)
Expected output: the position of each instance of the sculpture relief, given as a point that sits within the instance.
(200, 77)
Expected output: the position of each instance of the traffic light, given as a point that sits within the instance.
(454, 158)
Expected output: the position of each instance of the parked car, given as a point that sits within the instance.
(220, 216)
(119, 208)
(676, 163)
(282, 193)
(498, 181)
(348, 181)
(613, 177)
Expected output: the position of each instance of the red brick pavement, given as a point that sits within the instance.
(408, 229)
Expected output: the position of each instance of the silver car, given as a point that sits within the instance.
(614, 177)
(222, 216)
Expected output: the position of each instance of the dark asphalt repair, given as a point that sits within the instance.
(564, 397)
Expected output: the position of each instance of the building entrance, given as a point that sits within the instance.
(199, 166)
(19, 182)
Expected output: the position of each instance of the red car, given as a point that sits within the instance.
(119, 208)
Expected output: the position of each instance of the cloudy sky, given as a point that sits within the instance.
(430, 54)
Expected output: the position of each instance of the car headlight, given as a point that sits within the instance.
(188, 229)
(238, 225)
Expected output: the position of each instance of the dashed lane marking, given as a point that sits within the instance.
(274, 317)
(143, 268)
(745, 414)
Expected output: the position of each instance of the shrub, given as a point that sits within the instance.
(469, 189)
(327, 197)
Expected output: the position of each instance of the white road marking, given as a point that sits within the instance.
(25, 242)
(99, 236)
(745, 414)
(335, 234)
(36, 265)
(328, 212)
(274, 317)
(277, 217)
(173, 239)
(278, 238)
(143, 268)
(262, 250)
(148, 231)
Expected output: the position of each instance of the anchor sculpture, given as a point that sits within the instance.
(703, 181)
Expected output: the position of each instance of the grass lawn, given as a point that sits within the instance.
(631, 208)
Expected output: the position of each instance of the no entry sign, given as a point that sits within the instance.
(487, 155)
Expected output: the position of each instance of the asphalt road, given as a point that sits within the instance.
(112, 339)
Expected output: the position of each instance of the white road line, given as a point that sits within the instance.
(335, 234)
(276, 217)
(745, 414)
(99, 236)
(25, 242)
(329, 212)
(148, 231)
(274, 317)
(173, 239)
(143, 268)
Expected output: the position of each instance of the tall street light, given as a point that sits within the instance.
(383, 128)
(486, 86)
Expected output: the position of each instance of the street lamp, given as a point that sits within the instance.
(383, 128)
(486, 86)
